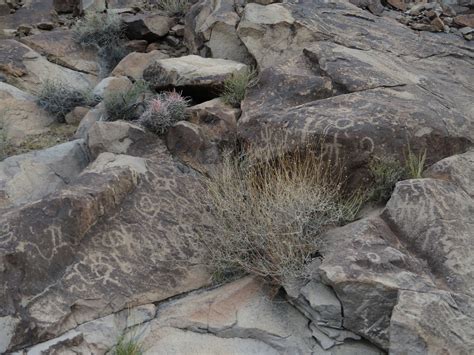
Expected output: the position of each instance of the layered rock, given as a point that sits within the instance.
(358, 85)
(123, 233)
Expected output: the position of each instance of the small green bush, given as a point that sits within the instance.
(271, 209)
(59, 98)
(236, 86)
(385, 173)
(126, 105)
(5, 146)
(128, 347)
(175, 8)
(164, 111)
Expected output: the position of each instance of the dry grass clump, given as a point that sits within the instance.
(59, 98)
(271, 208)
(236, 86)
(174, 8)
(164, 111)
(128, 347)
(126, 105)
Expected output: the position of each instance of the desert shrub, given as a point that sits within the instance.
(173, 7)
(236, 86)
(106, 33)
(271, 209)
(5, 146)
(385, 173)
(126, 105)
(164, 111)
(59, 98)
(414, 163)
(100, 30)
(128, 347)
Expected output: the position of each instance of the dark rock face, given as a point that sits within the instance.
(346, 75)
(123, 234)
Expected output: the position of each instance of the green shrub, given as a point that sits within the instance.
(5, 146)
(59, 98)
(173, 7)
(126, 105)
(385, 173)
(236, 86)
(271, 209)
(164, 111)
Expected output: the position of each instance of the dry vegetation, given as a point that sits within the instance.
(271, 210)
(236, 86)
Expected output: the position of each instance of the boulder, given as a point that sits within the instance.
(59, 47)
(112, 85)
(20, 116)
(117, 137)
(134, 64)
(76, 115)
(124, 233)
(26, 69)
(31, 12)
(191, 72)
(148, 27)
(31, 176)
(325, 81)
(464, 20)
(210, 31)
(68, 6)
(210, 130)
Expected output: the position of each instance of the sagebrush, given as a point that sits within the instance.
(105, 32)
(385, 173)
(58, 98)
(236, 86)
(126, 105)
(164, 111)
(271, 209)
(173, 7)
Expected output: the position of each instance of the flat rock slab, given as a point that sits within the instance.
(31, 13)
(120, 236)
(61, 48)
(29, 177)
(26, 69)
(191, 71)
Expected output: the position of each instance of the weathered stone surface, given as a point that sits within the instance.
(465, 20)
(92, 116)
(147, 26)
(26, 68)
(366, 266)
(76, 115)
(211, 129)
(354, 82)
(68, 6)
(112, 85)
(115, 237)
(191, 71)
(31, 176)
(20, 116)
(134, 64)
(432, 323)
(32, 12)
(117, 137)
(211, 31)
(60, 47)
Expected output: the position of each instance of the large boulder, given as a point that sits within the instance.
(31, 12)
(135, 63)
(354, 82)
(20, 116)
(393, 272)
(124, 233)
(31, 176)
(27, 69)
(211, 31)
(150, 27)
(201, 76)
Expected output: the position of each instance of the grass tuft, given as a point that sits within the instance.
(271, 209)
(128, 347)
(59, 99)
(415, 164)
(236, 86)
(385, 173)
